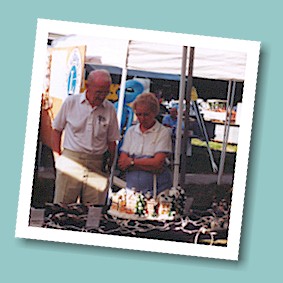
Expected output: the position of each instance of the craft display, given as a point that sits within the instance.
(131, 204)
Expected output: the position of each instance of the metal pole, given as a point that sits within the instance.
(119, 117)
(122, 90)
(204, 132)
(187, 117)
(229, 106)
(180, 119)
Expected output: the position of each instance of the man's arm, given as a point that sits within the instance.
(112, 150)
(56, 143)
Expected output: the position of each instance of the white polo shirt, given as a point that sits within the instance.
(147, 144)
(87, 129)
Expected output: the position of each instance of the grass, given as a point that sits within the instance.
(214, 145)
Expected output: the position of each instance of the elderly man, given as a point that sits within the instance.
(90, 130)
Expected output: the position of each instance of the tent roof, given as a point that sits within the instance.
(158, 58)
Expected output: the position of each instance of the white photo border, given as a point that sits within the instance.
(23, 230)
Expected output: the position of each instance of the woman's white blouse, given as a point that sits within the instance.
(156, 139)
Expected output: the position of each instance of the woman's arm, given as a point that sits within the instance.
(124, 161)
(150, 164)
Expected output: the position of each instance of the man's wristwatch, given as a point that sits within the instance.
(132, 162)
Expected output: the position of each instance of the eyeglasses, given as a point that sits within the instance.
(101, 93)
(146, 114)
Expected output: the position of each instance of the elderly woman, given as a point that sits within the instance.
(145, 148)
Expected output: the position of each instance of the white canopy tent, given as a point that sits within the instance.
(156, 57)
(163, 58)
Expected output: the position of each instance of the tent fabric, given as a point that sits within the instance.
(219, 64)
(208, 63)
(152, 57)
(104, 51)
(157, 57)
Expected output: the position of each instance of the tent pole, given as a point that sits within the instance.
(229, 106)
(204, 132)
(180, 119)
(121, 96)
(119, 117)
(122, 89)
(187, 118)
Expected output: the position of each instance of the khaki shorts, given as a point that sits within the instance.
(79, 177)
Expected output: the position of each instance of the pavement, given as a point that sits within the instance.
(206, 179)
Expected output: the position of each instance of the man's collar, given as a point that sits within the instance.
(83, 97)
(104, 103)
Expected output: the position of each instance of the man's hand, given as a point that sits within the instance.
(56, 143)
(56, 155)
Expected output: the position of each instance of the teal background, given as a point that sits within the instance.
(261, 245)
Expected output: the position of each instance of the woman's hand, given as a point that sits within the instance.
(151, 164)
(124, 161)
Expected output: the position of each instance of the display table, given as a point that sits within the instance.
(207, 227)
